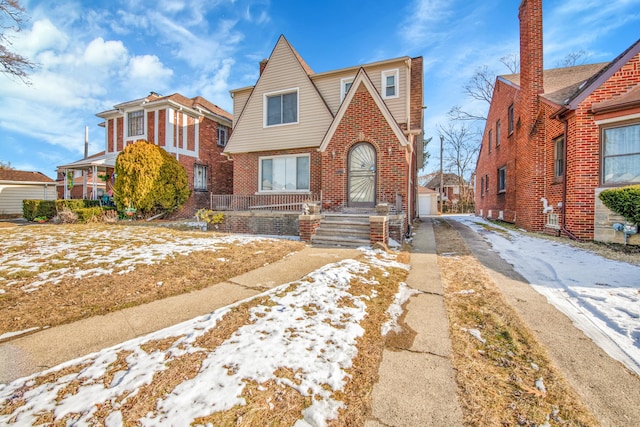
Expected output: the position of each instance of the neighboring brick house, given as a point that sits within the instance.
(555, 138)
(455, 188)
(16, 186)
(193, 130)
(353, 135)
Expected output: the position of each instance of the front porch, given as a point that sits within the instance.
(303, 215)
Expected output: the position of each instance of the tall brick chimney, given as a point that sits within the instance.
(531, 52)
(263, 65)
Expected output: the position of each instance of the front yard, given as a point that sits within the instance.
(50, 275)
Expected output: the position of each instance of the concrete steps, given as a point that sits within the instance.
(350, 230)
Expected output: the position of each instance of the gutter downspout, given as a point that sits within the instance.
(564, 183)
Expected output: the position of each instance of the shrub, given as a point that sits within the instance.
(89, 214)
(149, 179)
(38, 208)
(67, 216)
(109, 215)
(210, 217)
(624, 201)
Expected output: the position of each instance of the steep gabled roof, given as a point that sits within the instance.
(285, 69)
(562, 83)
(23, 176)
(599, 78)
(362, 79)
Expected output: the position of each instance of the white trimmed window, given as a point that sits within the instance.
(223, 135)
(199, 177)
(135, 123)
(621, 154)
(345, 85)
(284, 173)
(281, 108)
(390, 83)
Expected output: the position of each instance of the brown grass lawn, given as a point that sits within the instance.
(73, 298)
(497, 379)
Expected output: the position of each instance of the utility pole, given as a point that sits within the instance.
(441, 176)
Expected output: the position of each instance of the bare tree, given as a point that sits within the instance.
(479, 87)
(425, 154)
(12, 15)
(461, 142)
(5, 166)
(512, 62)
(578, 57)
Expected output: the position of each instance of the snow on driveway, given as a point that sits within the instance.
(600, 296)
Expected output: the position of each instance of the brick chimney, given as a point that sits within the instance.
(263, 65)
(531, 52)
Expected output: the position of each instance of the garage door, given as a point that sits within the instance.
(424, 204)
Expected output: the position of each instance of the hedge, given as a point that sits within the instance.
(87, 214)
(624, 201)
(48, 208)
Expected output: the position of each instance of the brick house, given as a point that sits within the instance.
(555, 138)
(352, 138)
(193, 130)
(456, 189)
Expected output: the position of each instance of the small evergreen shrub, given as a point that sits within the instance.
(89, 214)
(38, 208)
(624, 201)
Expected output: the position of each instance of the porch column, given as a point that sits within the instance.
(379, 229)
(94, 183)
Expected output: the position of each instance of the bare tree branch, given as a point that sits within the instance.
(578, 57)
(461, 147)
(480, 86)
(12, 15)
(457, 113)
(512, 62)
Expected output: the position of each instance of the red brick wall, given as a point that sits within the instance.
(583, 168)
(120, 134)
(151, 128)
(489, 161)
(363, 122)
(110, 148)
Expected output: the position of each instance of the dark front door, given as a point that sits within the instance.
(362, 175)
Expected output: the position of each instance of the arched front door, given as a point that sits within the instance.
(362, 175)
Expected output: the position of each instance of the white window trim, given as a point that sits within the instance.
(226, 135)
(383, 83)
(265, 96)
(343, 84)
(295, 156)
(125, 121)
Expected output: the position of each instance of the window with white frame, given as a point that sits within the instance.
(281, 108)
(621, 154)
(502, 179)
(199, 177)
(223, 135)
(345, 85)
(390, 83)
(558, 158)
(284, 173)
(135, 123)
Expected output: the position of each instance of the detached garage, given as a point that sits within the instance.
(427, 202)
(16, 186)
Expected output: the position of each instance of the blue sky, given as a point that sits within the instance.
(92, 57)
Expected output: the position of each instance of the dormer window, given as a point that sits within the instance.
(390, 83)
(281, 108)
(135, 123)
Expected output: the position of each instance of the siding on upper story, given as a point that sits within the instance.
(282, 73)
(319, 97)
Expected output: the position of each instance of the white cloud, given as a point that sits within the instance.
(147, 67)
(101, 53)
(43, 35)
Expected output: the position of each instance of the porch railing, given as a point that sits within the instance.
(264, 202)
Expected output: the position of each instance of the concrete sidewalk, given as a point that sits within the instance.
(47, 348)
(417, 384)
